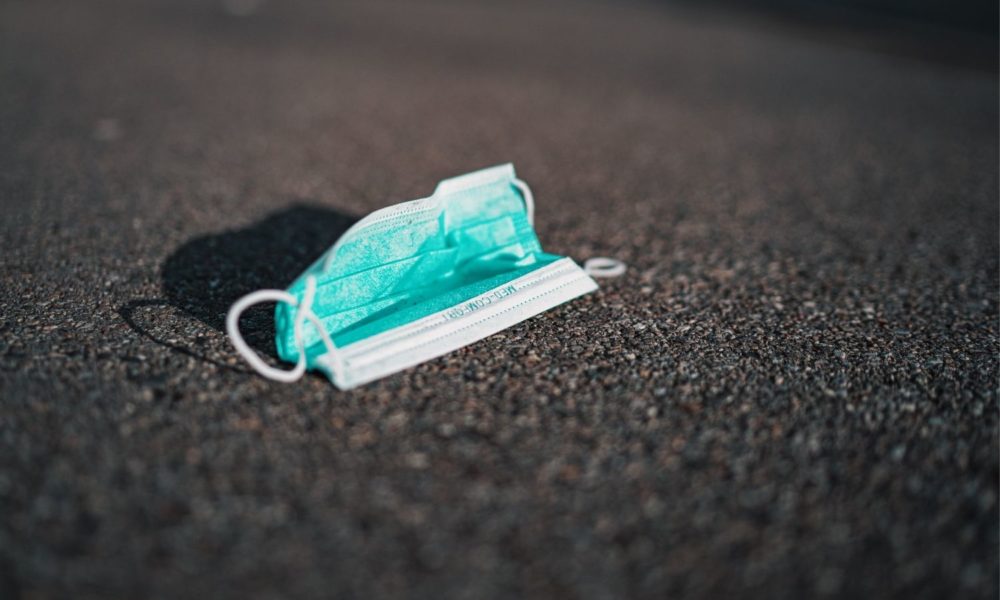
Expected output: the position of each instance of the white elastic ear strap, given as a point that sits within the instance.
(529, 199)
(602, 266)
(304, 312)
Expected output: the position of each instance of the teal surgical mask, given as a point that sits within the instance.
(417, 280)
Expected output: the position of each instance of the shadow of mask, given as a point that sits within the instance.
(204, 276)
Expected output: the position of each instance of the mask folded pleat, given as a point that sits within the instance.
(384, 280)
(484, 203)
(399, 240)
(483, 237)
(420, 307)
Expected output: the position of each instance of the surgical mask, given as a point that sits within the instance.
(418, 280)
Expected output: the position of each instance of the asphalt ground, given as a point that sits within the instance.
(793, 392)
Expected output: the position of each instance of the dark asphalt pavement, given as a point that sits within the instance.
(792, 393)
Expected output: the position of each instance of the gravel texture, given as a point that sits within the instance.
(792, 393)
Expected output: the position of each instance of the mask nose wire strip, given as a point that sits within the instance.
(304, 312)
(529, 199)
(602, 266)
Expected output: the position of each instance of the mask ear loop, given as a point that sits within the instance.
(529, 199)
(304, 312)
(602, 266)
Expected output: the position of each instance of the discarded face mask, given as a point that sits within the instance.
(417, 280)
